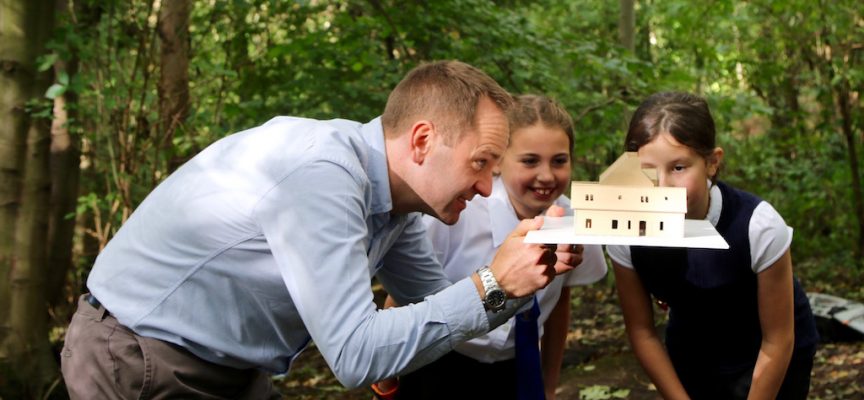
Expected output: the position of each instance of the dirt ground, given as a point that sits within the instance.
(598, 363)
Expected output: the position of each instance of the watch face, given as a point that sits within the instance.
(496, 299)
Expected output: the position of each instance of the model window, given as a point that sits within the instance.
(628, 225)
(614, 224)
(661, 225)
(588, 222)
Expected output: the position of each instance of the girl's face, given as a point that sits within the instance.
(679, 166)
(535, 168)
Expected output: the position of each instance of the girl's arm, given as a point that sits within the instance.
(776, 316)
(553, 342)
(639, 321)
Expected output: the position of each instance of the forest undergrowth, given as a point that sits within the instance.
(598, 363)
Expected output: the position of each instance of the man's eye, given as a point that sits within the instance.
(480, 164)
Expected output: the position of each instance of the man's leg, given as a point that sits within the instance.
(103, 359)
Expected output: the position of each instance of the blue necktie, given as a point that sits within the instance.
(529, 378)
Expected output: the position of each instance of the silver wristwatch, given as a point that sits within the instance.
(495, 296)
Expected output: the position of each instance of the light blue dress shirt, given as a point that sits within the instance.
(268, 239)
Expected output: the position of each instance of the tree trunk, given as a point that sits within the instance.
(627, 25)
(841, 91)
(780, 92)
(26, 361)
(65, 171)
(174, 80)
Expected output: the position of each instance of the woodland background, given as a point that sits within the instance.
(101, 100)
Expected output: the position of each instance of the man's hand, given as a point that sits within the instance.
(522, 268)
(568, 254)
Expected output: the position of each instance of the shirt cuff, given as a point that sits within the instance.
(463, 311)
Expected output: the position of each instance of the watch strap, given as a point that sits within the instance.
(495, 298)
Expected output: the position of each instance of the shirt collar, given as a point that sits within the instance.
(502, 216)
(376, 167)
(715, 203)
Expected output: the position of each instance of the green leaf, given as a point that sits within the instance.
(596, 392)
(55, 90)
(47, 61)
(63, 78)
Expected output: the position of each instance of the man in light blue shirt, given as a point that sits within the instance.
(269, 238)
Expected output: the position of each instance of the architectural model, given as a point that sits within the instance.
(626, 201)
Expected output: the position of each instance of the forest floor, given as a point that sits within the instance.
(598, 363)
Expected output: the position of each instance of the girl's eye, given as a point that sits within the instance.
(529, 161)
(560, 160)
(678, 168)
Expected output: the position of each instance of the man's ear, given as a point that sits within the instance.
(422, 139)
(714, 161)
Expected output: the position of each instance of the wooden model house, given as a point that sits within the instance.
(627, 202)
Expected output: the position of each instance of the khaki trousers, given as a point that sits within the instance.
(102, 359)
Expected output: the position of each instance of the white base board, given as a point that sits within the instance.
(697, 234)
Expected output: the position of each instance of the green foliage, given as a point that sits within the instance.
(772, 72)
(801, 190)
(602, 392)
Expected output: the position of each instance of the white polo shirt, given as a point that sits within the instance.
(472, 242)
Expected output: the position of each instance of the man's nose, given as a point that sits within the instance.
(484, 185)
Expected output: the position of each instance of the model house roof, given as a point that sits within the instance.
(628, 171)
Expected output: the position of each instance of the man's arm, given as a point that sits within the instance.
(326, 270)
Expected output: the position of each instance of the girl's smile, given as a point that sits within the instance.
(536, 168)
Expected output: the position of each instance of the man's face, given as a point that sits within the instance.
(455, 173)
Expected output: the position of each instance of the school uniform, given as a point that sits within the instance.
(713, 335)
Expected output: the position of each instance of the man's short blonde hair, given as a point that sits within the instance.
(445, 92)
